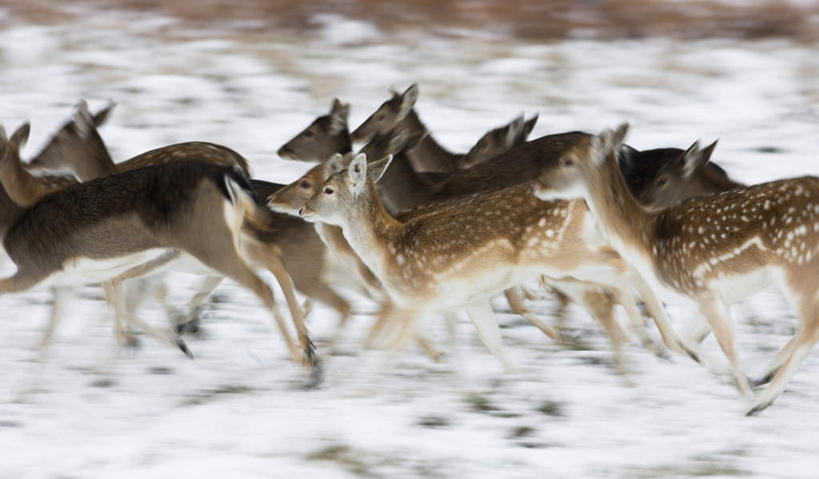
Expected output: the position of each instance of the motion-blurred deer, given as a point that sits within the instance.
(103, 229)
(710, 251)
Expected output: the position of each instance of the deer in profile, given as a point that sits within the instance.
(103, 229)
(708, 251)
(462, 254)
(325, 136)
(398, 113)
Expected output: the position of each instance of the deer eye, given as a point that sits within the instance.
(308, 134)
(662, 181)
(379, 116)
(567, 162)
(305, 184)
(328, 190)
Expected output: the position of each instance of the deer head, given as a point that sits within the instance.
(388, 116)
(78, 146)
(347, 194)
(497, 141)
(327, 135)
(676, 180)
(564, 179)
(289, 199)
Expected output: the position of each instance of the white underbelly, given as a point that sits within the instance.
(735, 288)
(79, 271)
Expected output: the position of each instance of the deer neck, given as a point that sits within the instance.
(369, 230)
(20, 185)
(712, 180)
(626, 225)
(428, 155)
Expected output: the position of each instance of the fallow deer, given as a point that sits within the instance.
(458, 256)
(326, 135)
(709, 251)
(102, 229)
(398, 113)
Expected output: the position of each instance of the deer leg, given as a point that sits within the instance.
(804, 341)
(60, 294)
(776, 363)
(657, 312)
(481, 315)
(515, 296)
(205, 289)
(715, 310)
(384, 314)
(626, 300)
(323, 292)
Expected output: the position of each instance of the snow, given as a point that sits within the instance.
(239, 409)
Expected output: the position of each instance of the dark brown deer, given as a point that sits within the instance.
(327, 135)
(709, 251)
(498, 140)
(99, 230)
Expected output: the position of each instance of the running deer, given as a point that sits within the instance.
(328, 134)
(138, 220)
(710, 251)
(459, 256)
(398, 113)
(305, 256)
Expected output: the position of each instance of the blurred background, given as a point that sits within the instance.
(250, 75)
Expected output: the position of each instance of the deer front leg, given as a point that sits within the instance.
(515, 296)
(481, 315)
(718, 316)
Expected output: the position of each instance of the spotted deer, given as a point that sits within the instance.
(459, 256)
(326, 135)
(102, 229)
(710, 251)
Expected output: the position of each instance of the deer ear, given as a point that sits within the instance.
(693, 158)
(357, 172)
(408, 99)
(398, 141)
(527, 128)
(83, 120)
(20, 136)
(335, 163)
(513, 131)
(102, 116)
(606, 142)
(619, 135)
(376, 169)
(339, 113)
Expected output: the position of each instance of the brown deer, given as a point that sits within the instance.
(710, 251)
(398, 113)
(304, 254)
(325, 136)
(458, 256)
(102, 229)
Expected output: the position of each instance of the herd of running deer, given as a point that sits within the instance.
(418, 229)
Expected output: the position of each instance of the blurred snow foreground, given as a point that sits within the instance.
(238, 409)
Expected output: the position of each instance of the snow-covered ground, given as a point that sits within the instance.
(239, 409)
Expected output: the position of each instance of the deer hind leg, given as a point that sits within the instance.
(716, 312)
(271, 257)
(515, 296)
(626, 300)
(800, 347)
(191, 315)
(321, 291)
(481, 315)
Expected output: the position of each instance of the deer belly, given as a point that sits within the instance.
(76, 271)
(734, 288)
(476, 286)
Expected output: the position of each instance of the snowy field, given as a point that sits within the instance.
(239, 409)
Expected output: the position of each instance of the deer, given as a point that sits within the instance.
(310, 264)
(429, 156)
(708, 251)
(326, 135)
(116, 225)
(461, 254)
